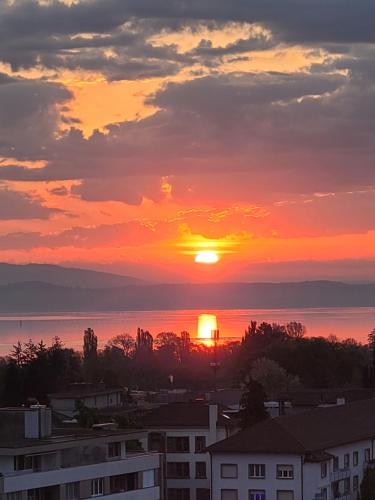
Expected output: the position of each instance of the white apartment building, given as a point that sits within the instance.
(182, 431)
(70, 464)
(316, 455)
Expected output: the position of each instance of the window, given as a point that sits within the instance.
(336, 463)
(347, 485)
(200, 444)
(35, 494)
(72, 491)
(355, 483)
(178, 445)
(323, 470)
(257, 495)
(27, 462)
(97, 487)
(285, 495)
(114, 449)
(228, 471)
(324, 493)
(229, 495)
(284, 472)
(367, 454)
(15, 495)
(123, 482)
(202, 494)
(257, 471)
(178, 470)
(200, 470)
(346, 461)
(178, 494)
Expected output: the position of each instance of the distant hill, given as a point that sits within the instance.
(36, 297)
(62, 276)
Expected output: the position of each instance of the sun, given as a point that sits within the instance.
(206, 257)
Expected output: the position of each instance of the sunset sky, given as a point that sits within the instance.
(136, 133)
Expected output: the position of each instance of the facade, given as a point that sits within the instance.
(317, 455)
(97, 397)
(182, 431)
(36, 464)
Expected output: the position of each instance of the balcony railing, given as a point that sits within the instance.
(340, 474)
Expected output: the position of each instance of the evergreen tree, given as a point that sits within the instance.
(252, 404)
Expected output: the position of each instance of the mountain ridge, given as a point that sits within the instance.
(32, 297)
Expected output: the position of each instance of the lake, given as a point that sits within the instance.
(343, 322)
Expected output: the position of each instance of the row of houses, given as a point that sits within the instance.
(189, 451)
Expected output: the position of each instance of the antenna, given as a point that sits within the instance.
(215, 364)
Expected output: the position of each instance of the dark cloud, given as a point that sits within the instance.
(15, 206)
(28, 114)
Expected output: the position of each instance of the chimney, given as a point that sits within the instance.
(213, 414)
(38, 422)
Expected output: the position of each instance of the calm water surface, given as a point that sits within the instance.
(342, 322)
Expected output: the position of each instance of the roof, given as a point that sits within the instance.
(64, 435)
(316, 397)
(182, 415)
(76, 394)
(305, 433)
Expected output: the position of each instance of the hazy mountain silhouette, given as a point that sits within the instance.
(63, 276)
(44, 297)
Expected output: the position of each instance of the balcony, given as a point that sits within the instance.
(26, 480)
(339, 475)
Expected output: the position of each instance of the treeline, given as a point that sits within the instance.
(280, 357)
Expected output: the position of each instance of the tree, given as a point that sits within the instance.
(252, 404)
(371, 344)
(295, 329)
(144, 342)
(273, 378)
(125, 342)
(86, 417)
(90, 344)
(368, 485)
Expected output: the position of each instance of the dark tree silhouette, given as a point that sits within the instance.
(252, 404)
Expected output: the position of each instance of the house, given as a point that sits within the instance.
(315, 455)
(37, 463)
(182, 431)
(91, 395)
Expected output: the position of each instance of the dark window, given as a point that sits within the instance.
(323, 470)
(346, 460)
(156, 441)
(200, 444)
(72, 491)
(123, 482)
(178, 445)
(257, 471)
(178, 494)
(284, 472)
(336, 463)
(178, 470)
(355, 483)
(367, 454)
(200, 470)
(347, 485)
(202, 494)
(355, 458)
(285, 495)
(114, 449)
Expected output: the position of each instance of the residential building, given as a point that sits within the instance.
(316, 455)
(91, 395)
(183, 431)
(37, 463)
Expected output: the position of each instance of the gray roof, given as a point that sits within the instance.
(305, 433)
